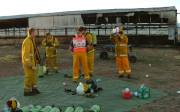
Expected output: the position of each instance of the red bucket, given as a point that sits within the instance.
(127, 95)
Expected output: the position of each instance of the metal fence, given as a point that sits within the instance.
(178, 34)
(151, 30)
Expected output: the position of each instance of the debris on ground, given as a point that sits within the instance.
(12, 105)
(147, 76)
(67, 76)
(88, 89)
(9, 58)
(143, 92)
(177, 57)
(150, 65)
(126, 94)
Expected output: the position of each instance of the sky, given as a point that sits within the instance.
(18, 7)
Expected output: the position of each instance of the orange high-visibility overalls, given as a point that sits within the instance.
(79, 45)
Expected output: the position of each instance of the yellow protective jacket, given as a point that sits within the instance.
(50, 46)
(121, 44)
(92, 41)
(28, 53)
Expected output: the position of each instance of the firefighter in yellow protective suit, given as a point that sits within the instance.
(51, 44)
(29, 61)
(79, 49)
(92, 41)
(121, 52)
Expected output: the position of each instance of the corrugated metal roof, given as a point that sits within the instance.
(155, 9)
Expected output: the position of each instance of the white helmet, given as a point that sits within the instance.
(115, 30)
(80, 89)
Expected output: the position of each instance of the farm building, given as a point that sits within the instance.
(142, 25)
(178, 28)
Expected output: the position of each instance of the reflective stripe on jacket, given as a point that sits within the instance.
(121, 45)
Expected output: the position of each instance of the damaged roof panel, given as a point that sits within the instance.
(156, 9)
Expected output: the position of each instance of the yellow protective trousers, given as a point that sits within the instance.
(80, 58)
(51, 63)
(30, 79)
(90, 57)
(123, 66)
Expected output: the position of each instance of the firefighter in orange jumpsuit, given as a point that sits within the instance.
(51, 44)
(121, 52)
(92, 41)
(79, 49)
(30, 58)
